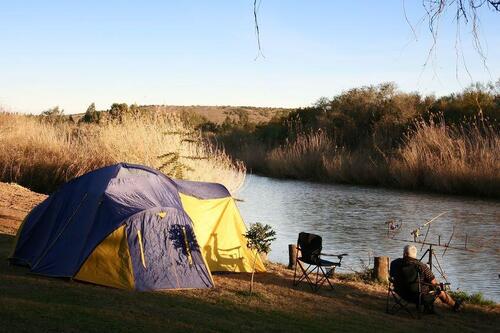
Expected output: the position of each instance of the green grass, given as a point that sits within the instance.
(476, 298)
(31, 303)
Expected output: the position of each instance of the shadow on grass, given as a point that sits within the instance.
(29, 302)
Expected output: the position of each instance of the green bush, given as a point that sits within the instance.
(476, 298)
(91, 115)
(53, 115)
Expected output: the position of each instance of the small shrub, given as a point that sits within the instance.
(476, 298)
(91, 115)
(259, 238)
(53, 115)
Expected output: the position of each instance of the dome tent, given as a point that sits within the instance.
(125, 226)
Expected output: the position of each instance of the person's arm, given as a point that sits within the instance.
(428, 275)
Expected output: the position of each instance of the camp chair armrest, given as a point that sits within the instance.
(435, 285)
(334, 255)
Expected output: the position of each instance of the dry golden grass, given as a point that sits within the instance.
(42, 155)
(432, 157)
(438, 157)
(315, 156)
(301, 157)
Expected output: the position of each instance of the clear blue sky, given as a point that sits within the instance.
(73, 53)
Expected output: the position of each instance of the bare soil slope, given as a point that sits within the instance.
(15, 202)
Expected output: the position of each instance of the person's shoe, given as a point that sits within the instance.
(458, 305)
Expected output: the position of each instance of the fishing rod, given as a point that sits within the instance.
(432, 260)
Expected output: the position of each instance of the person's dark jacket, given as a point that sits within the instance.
(405, 272)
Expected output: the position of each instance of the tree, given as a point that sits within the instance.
(466, 11)
(118, 110)
(91, 115)
(53, 115)
(259, 238)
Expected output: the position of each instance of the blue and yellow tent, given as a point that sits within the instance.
(130, 226)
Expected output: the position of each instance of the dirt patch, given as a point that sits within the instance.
(15, 202)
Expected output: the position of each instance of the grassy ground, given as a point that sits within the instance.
(31, 303)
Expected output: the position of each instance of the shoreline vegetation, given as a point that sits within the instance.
(372, 135)
(379, 136)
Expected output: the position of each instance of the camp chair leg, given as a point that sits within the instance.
(305, 275)
(316, 285)
(327, 276)
(321, 275)
(320, 280)
(387, 299)
(399, 304)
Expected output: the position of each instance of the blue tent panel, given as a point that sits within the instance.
(164, 251)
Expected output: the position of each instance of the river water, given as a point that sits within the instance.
(352, 219)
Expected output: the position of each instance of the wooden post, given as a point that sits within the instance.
(381, 269)
(292, 255)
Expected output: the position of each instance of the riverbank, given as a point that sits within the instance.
(352, 220)
(433, 157)
(380, 136)
(60, 305)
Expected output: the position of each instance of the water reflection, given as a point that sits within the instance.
(351, 219)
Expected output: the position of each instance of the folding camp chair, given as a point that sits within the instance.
(406, 290)
(309, 254)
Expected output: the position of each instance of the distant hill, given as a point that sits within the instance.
(215, 114)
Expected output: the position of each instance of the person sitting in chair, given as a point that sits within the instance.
(404, 271)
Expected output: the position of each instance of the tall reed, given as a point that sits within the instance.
(451, 159)
(42, 155)
(301, 158)
(432, 156)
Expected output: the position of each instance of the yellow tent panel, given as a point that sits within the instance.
(219, 231)
(110, 263)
